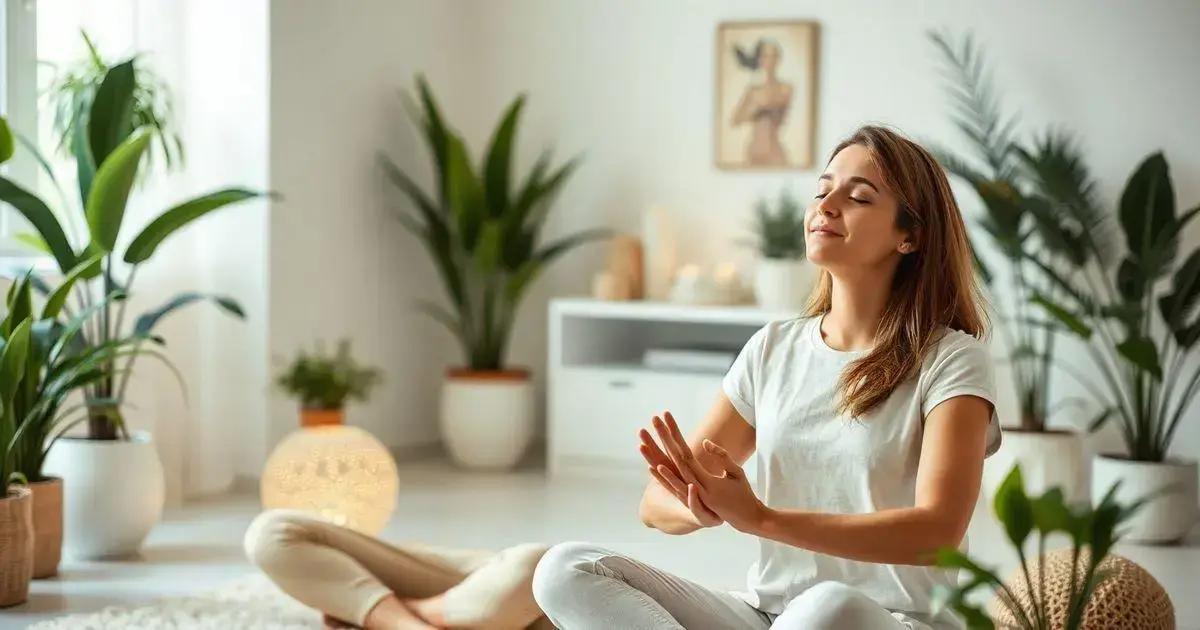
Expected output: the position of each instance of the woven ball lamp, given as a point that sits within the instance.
(338, 472)
(1129, 599)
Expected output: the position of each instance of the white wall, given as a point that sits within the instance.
(629, 84)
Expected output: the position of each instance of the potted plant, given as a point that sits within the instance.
(113, 479)
(782, 277)
(1025, 601)
(16, 503)
(1034, 198)
(482, 230)
(339, 472)
(56, 365)
(1140, 334)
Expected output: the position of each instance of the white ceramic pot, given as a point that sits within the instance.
(1047, 459)
(487, 417)
(113, 494)
(783, 284)
(1167, 518)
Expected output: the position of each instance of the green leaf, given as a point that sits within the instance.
(436, 135)
(6, 141)
(1176, 306)
(1100, 419)
(42, 219)
(498, 166)
(1050, 512)
(12, 363)
(33, 241)
(464, 193)
(1147, 209)
(1013, 507)
(144, 244)
(487, 252)
(150, 319)
(85, 164)
(58, 298)
(1141, 352)
(110, 190)
(110, 120)
(1067, 318)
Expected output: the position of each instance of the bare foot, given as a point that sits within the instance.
(391, 614)
(430, 609)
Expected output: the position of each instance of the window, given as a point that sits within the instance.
(18, 102)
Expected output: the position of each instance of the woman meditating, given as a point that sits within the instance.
(870, 419)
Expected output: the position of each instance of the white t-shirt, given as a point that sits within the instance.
(784, 382)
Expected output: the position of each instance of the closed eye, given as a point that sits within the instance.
(861, 201)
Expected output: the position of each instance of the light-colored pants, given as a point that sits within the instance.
(581, 586)
(344, 573)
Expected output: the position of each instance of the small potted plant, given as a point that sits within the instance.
(782, 277)
(483, 229)
(322, 383)
(327, 468)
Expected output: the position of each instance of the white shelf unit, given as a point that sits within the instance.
(599, 393)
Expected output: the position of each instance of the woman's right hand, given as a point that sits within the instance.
(664, 470)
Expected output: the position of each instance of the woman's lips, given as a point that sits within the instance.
(824, 231)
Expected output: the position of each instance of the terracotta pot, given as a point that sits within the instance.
(47, 526)
(16, 546)
(321, 417)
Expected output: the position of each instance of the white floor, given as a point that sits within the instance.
(198, 547)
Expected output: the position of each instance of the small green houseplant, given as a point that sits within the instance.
(482, 227)
(782, 277)
(16, 503)
(1092, 531)
(323, 383)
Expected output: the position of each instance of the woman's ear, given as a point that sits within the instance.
(909, 244)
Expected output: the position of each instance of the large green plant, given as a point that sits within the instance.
(108, 147)
(482, 229)
(1093, 529)
(1036, 198)
(56, 364)
(1139, 331)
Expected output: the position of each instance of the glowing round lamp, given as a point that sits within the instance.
(340, 473)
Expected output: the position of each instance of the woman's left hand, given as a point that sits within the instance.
(729, 493)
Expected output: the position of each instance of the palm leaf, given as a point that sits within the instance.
(146, 243)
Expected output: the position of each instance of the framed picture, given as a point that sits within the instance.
(766, 95)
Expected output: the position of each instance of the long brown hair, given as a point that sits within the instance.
(934, 286)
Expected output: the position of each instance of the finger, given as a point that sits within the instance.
(649, 444)
(699, 472)
(731, 467)
(696, 504)
(671, 481)
(679, 456)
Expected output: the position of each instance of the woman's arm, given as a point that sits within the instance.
(662, 508)
(948, 478)
(745, 108)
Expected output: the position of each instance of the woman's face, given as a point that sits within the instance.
(770, 58)
(851, 222)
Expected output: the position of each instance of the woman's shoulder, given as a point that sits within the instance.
(956, 345)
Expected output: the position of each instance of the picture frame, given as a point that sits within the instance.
(766, 94)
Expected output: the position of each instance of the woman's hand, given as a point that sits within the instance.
(665, 471)
(727, 495)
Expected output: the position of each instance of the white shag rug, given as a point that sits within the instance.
(251, 601)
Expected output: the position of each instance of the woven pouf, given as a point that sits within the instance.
(1130, 598)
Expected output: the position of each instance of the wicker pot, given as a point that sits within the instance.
(16, 546)
(47, 526)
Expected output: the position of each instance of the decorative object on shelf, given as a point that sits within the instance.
(1128, 598)
(659, 253)
(110, 141)
(695, 286)
(690, 357)
(339, 472)
(1092, 530)
(782, 277)
(622, 277)
(766, 94)
(482, 231)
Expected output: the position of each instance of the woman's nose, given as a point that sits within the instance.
(827, 207)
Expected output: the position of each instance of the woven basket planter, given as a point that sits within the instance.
(16, 546)
(47, 526)
(1130, 599)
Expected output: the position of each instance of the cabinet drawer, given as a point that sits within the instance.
(597, 411)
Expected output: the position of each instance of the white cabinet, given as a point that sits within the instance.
(599, 392)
